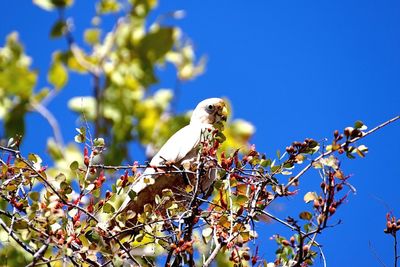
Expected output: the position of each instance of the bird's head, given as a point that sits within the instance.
(210, 111)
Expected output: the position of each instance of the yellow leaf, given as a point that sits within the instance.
(58, 75)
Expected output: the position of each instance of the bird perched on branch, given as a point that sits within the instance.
(181, 150)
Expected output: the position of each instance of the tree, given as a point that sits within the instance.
(54, 215)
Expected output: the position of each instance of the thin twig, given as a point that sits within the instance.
(26, 247)
(375, 254)
(42, 110)
(341, 146)
(39, 254)
(395, 248)
(13, 151)
(214, 253)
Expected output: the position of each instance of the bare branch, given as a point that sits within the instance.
(42, 110)
(39, 254)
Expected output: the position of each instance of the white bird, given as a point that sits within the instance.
(182, 150)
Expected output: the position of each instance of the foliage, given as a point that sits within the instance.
(58, 222)
(58, 214)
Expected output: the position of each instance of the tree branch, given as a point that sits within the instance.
(26, 247)
(42, 110)
(341, 146)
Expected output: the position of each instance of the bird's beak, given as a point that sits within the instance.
(224, 113)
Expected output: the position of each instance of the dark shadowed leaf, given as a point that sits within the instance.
(58, 30)
(157, 43)
(305, 215)
(358, 124)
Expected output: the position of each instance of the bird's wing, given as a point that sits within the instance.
(178, 145)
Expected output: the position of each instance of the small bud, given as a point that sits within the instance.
(336, 134)
(306, 248)
(348, 131)
(292, 240)
(246, 256)
(285, 242)
(332, 210)
(339, 187)
(316, 204)
(323, 186)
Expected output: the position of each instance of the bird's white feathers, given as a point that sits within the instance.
(180, 147)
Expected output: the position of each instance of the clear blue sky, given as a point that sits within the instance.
(295, 69)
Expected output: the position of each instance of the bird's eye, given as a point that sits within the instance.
(210, 107)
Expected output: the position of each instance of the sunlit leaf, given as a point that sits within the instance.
(92, 36)
(207, 234)
(108, 208)
(310, 196)
(58, 75)
(241, 199)
(74, 165)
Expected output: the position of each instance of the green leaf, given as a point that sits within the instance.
(74, 165)
(265, 162)
(241, 199)
(276, 168)
(218, 184)
(157, 43)
(81, 136)
(54, 149)
(99, 142)
(108, 6)
(59, 29)
(139, 238)
(108, 208)
(58, 74)
(34, 195)
(61, 177)
(14, 121)
(358, 124)
(32, 157)
(278, 154)
(132, 194)
(93, 236)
